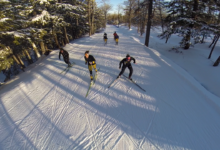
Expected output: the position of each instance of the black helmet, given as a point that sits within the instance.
(128, 55)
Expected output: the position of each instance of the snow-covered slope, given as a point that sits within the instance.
(44, 109)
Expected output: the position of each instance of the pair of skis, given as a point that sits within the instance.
(92, 82)
(67, 68)
(129, 80)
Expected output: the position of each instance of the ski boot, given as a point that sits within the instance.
(91, 79)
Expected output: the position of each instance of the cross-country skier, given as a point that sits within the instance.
(65, 56)
(105, 38)
(114, 34)
(90, 60)
(126, 63)
(116, 39)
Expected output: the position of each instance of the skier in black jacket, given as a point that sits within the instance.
(65, 56)
(90, 60)
(105, 38)
(126, 63)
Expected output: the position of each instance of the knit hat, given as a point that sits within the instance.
(87, 52)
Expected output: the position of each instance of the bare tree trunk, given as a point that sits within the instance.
(144, 20)
(213, 41)
(45, 45)
(56, 40)
(217, 62)
(213, 47)
(28, 56)
(129, 24)
(35, 49)
(118, 18)
(89, 16)
(42, 47)
(161, 17)
(63, 43)
(66, 37)
(105, 19)
(188, 36)
(16, 59)
(168, 36)
(203, 37)
(21, 61)
(92, 16)
(149, 23)
(139, 22)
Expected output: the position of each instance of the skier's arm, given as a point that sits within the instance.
(133, 59)
(85, 60)
(93, 58)
(121, 63)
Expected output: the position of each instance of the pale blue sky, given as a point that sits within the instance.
(115, 3)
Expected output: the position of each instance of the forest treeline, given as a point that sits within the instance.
(32, 28)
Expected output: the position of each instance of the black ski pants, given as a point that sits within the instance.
(66, 60)
(123, 70)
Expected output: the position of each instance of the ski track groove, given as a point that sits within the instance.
(128, 90)
(118, 84)
(37, 135)
(96, 131)
(94, 142)
(60, 108)
(119, 122)
(9, 110)
(85, 112)
(118, 140)
(107, 136)
(12, 137)
(82, 58)
(30, 112)
(53, 114)
(94, 96)
(144, 135)
(154, 116)
(54, 124)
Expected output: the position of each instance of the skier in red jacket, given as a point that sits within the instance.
(126, 63)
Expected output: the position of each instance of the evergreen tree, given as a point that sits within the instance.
(40, 25)
(191, 20)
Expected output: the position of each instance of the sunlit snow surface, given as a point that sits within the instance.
(43, 109)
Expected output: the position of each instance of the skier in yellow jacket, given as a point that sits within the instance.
(90, 60)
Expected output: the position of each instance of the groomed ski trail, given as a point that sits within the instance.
(44, 109)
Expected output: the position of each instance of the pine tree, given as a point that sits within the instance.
(40, 25)
(191, 20)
